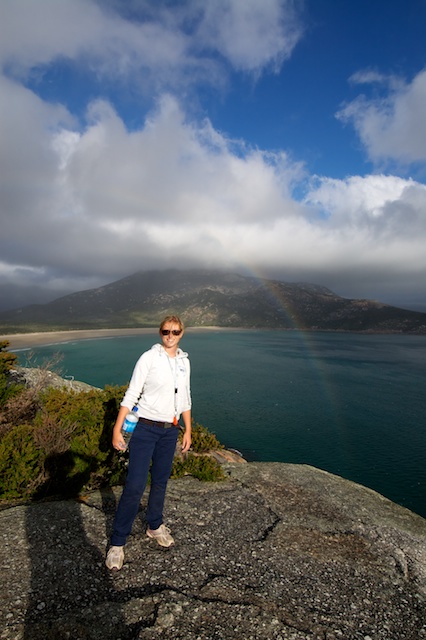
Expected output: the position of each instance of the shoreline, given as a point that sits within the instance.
(22, 341)
(44, 338)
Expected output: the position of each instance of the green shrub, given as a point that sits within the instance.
(203, 440)
(57, 442)
(66, 448)
(21, 463)
(7, 361)
(90, 461)
(202, 467)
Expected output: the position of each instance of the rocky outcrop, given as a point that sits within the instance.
(277, 551)
(40, 378)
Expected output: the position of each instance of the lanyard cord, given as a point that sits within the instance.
(173, 369)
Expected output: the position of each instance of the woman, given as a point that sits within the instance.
(160, 389)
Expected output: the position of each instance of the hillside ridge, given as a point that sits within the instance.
(211, 298)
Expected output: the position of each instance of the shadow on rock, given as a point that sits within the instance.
(72, 594)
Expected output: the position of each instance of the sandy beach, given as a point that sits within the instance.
(42, 338)
(30, 340)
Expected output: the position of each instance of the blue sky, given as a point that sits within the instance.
(283, 139)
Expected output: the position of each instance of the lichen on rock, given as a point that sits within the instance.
(276, 552)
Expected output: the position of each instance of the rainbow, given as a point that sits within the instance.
(308, 341)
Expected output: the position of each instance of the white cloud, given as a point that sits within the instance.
(381, 206)
(392, 127)
(159, 51)
(104, 202)
(251, 35)
(374, 224)
(87, 202)
(112, 49)
(169, 169)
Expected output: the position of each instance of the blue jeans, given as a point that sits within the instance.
(147, 444)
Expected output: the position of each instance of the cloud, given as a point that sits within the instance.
(167, 48)
(393, 126)
(381, 206)
(87, 201)
(104, 202)
(140, 56)
(250, 35)
(80, 29)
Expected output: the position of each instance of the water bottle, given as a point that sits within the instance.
(128, 427)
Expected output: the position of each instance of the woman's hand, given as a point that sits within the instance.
(186, 441)
(118, 442)
(117, 438)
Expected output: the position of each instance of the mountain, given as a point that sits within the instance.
(207, 298)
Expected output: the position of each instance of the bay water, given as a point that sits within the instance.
(353, 405)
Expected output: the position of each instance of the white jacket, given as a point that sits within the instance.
(158, 376)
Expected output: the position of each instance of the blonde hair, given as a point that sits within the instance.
(175, 320)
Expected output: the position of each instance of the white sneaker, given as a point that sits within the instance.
(115, 558)
(162, 535)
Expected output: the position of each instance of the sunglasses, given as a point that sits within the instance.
(175, 332)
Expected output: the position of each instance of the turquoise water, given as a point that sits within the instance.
(354, 405)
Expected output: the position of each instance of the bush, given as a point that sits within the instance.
(21, 463)
(57, 442)
(89, 462)
(203, 440)
(202, 467)
(65, 448)
(7, 361)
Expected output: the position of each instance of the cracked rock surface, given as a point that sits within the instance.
(278, 551)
